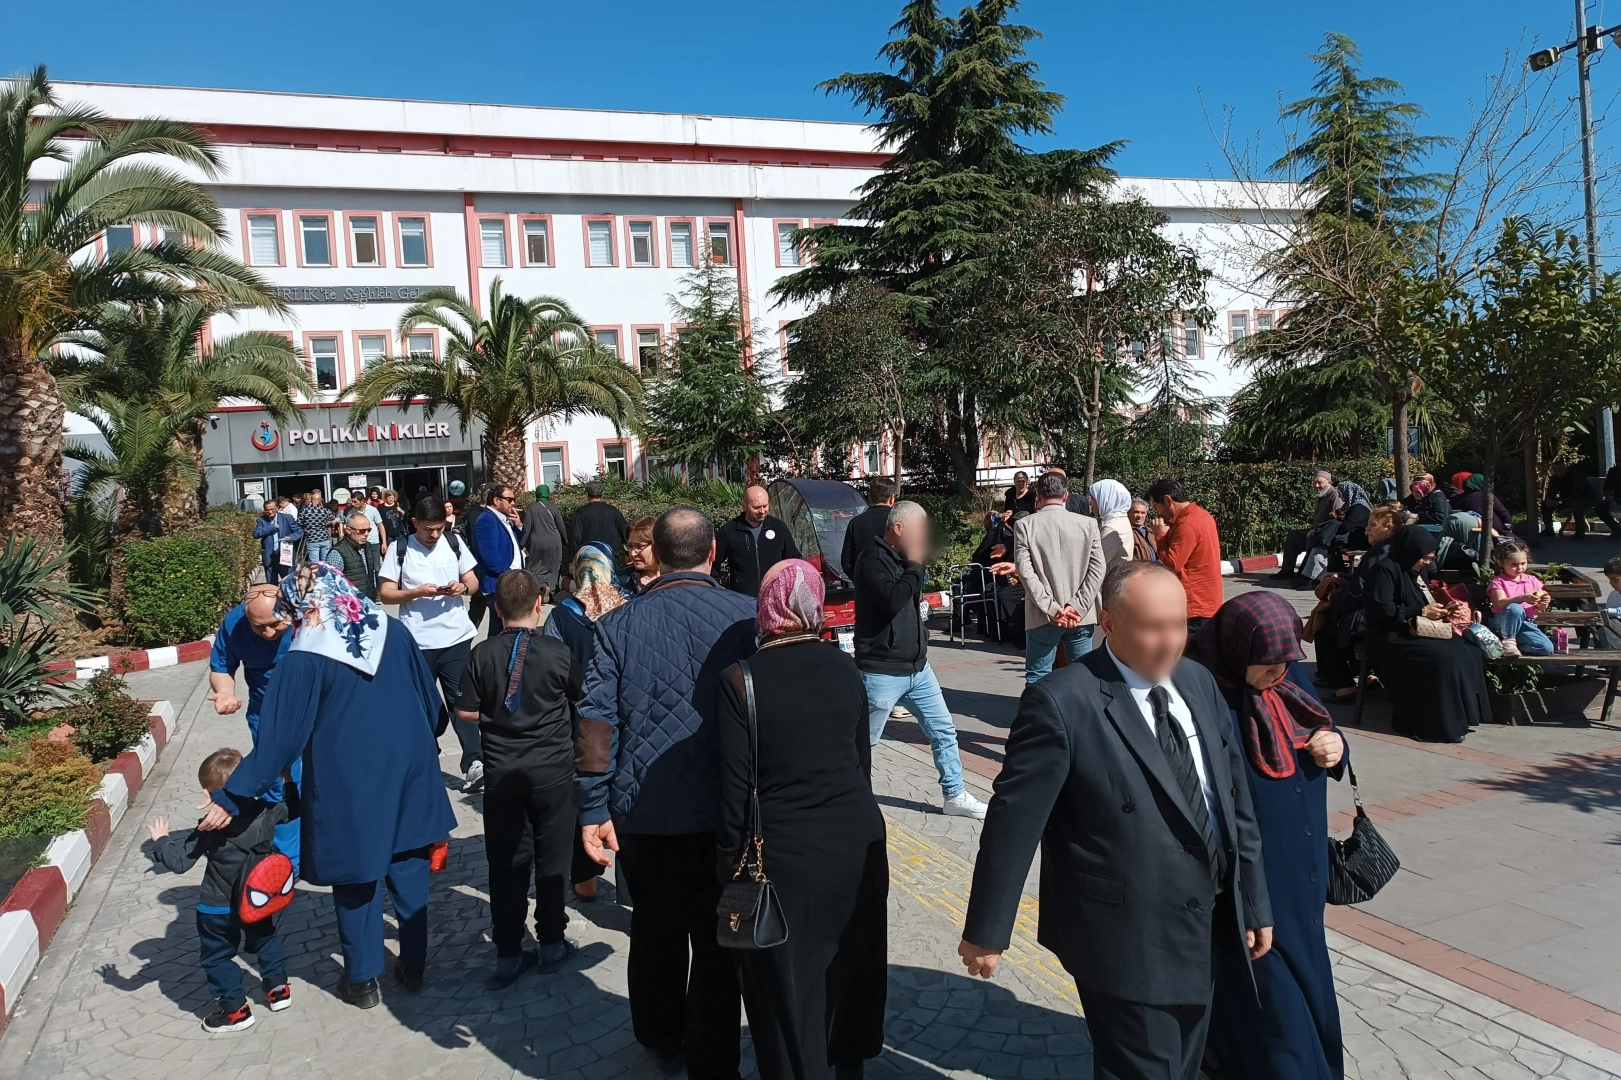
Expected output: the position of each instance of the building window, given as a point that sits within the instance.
(264, 241)
(413, 240)
(1240, 327)
(315, 239)
(608, 339)
(363, 246)
(1191, 342)
(648, 350)
(419, 344)
(720, 243)
(324, 359)
(641, 243)
(1263, 321)
(869, 456)
(174, 237)
(120, 238)
(790, 338)
(599, 240)
(373, 349)
(492, 241)
(680, 243)
(537, 243)
(788, 253)
(615, 461)
(551, 466)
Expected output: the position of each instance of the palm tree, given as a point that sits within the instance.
(144, 462)
(49, 288)
(526, 360)
(153, 354)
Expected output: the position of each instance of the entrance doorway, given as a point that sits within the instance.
(412, 484)
(296, 487)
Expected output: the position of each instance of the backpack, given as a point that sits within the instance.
(405, 538)
(264, 885)
(466, 525)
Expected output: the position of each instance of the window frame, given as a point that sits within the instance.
(540, 477)
(551, 239)
(338, 365)
(619, 337)
(1242, 332)
(652, 224)
(811, 223)
(636, 331)
(1197, 352)
(776, 242)
(669, 242)
(782, 343)
(359, 354)
(731, 246)
(612, 221)
(396, 217)
(506, 241)
(1271, 316)
(349, 217)
(331, 233)
(247, 236)
(602, 456)
(103, 249)
(420, 331)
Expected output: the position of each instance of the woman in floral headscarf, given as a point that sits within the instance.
(818, 998)
(355, 701)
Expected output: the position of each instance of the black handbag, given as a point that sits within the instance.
(749, 915)
(1361, 864)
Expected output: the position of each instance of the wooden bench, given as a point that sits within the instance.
(1603, 659)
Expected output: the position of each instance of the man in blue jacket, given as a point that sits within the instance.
(648, 786)
(273, 529)
(496, 546)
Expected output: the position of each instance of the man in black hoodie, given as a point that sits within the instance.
(892, 647)
(868, 525)
(753, 542)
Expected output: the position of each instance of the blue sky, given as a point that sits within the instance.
(1147, 73)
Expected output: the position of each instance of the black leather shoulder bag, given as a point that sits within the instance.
(1361, 864)
(749, 915)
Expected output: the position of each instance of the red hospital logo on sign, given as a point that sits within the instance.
(266, 437)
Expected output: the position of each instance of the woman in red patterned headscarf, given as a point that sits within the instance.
(1291, 747)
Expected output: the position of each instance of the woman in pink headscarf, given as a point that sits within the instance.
(818, 998)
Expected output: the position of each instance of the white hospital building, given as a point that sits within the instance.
(351, 206)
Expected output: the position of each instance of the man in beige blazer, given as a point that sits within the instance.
(1060, 561)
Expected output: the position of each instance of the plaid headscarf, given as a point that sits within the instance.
(790, 600)
(1262, 628)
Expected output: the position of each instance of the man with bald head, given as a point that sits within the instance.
(753, 542)
(253, 636)
(1126, 770)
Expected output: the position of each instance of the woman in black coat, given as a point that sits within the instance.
(1336, 637)
(1287, 1027)
(1437, 686)
(817, 998)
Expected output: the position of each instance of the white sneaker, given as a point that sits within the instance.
(899, 712)
(965, 805)
(474, 780)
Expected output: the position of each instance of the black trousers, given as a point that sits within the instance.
(448, 665)
(528, 831)
(1296, 544)
(683, 985)
(1133, 1041)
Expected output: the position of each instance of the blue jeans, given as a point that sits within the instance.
(1041, 647)
(360, 918)
(1513, 624)
(218, 938)
(318, 550)
(921, 694)
(288, 833)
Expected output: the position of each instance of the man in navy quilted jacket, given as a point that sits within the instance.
(648, 786)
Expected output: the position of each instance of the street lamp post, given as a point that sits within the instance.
(1589, 40)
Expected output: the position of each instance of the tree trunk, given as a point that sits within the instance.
(504, 458)
(31, 415)
(1488, 510)
(1094, 414)
(1532, 445)
(182, 505)
(898, 433)
(962, 441)
(1398, 449)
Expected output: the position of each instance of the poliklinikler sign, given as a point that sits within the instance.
(266, 437)
(353, 294)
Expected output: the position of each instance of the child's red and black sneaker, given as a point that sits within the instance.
(279, 997)
(219, 1022)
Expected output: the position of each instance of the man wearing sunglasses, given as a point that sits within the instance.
(355, 557)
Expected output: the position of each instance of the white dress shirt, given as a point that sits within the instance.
(1180, 712)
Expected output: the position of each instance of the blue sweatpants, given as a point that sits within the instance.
(360, 918)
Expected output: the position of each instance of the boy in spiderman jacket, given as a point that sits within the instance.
(220, 931)
(520, 686)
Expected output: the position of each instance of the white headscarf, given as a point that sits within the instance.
(1110, 497)
(332, 618)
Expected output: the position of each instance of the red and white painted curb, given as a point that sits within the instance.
(1251, 564)
(32, 911)
(139, 660)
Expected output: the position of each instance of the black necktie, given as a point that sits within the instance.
(1173, 742)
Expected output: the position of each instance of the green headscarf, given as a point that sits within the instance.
(1476, 482)
(543, 492)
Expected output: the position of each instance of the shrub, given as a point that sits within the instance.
(174, 590)
(46, 790)
(106, 721)
(228, 533)
(33, 599)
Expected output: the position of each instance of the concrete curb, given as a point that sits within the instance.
(31, 912)
(139, 660)
(1251, 565)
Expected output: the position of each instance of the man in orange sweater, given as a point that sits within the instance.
(1188, 544)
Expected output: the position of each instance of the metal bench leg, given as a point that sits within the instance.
(1361, 691)
(1609, 695)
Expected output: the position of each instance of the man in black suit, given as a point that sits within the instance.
(1125, 767)
(868, 525)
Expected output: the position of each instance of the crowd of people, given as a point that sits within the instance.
(660, 696)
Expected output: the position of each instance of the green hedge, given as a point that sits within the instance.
(46, 790)
(228, 533)
(174, 590)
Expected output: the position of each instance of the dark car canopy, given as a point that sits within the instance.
(817, 513)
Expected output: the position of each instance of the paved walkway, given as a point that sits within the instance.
(119, 993)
